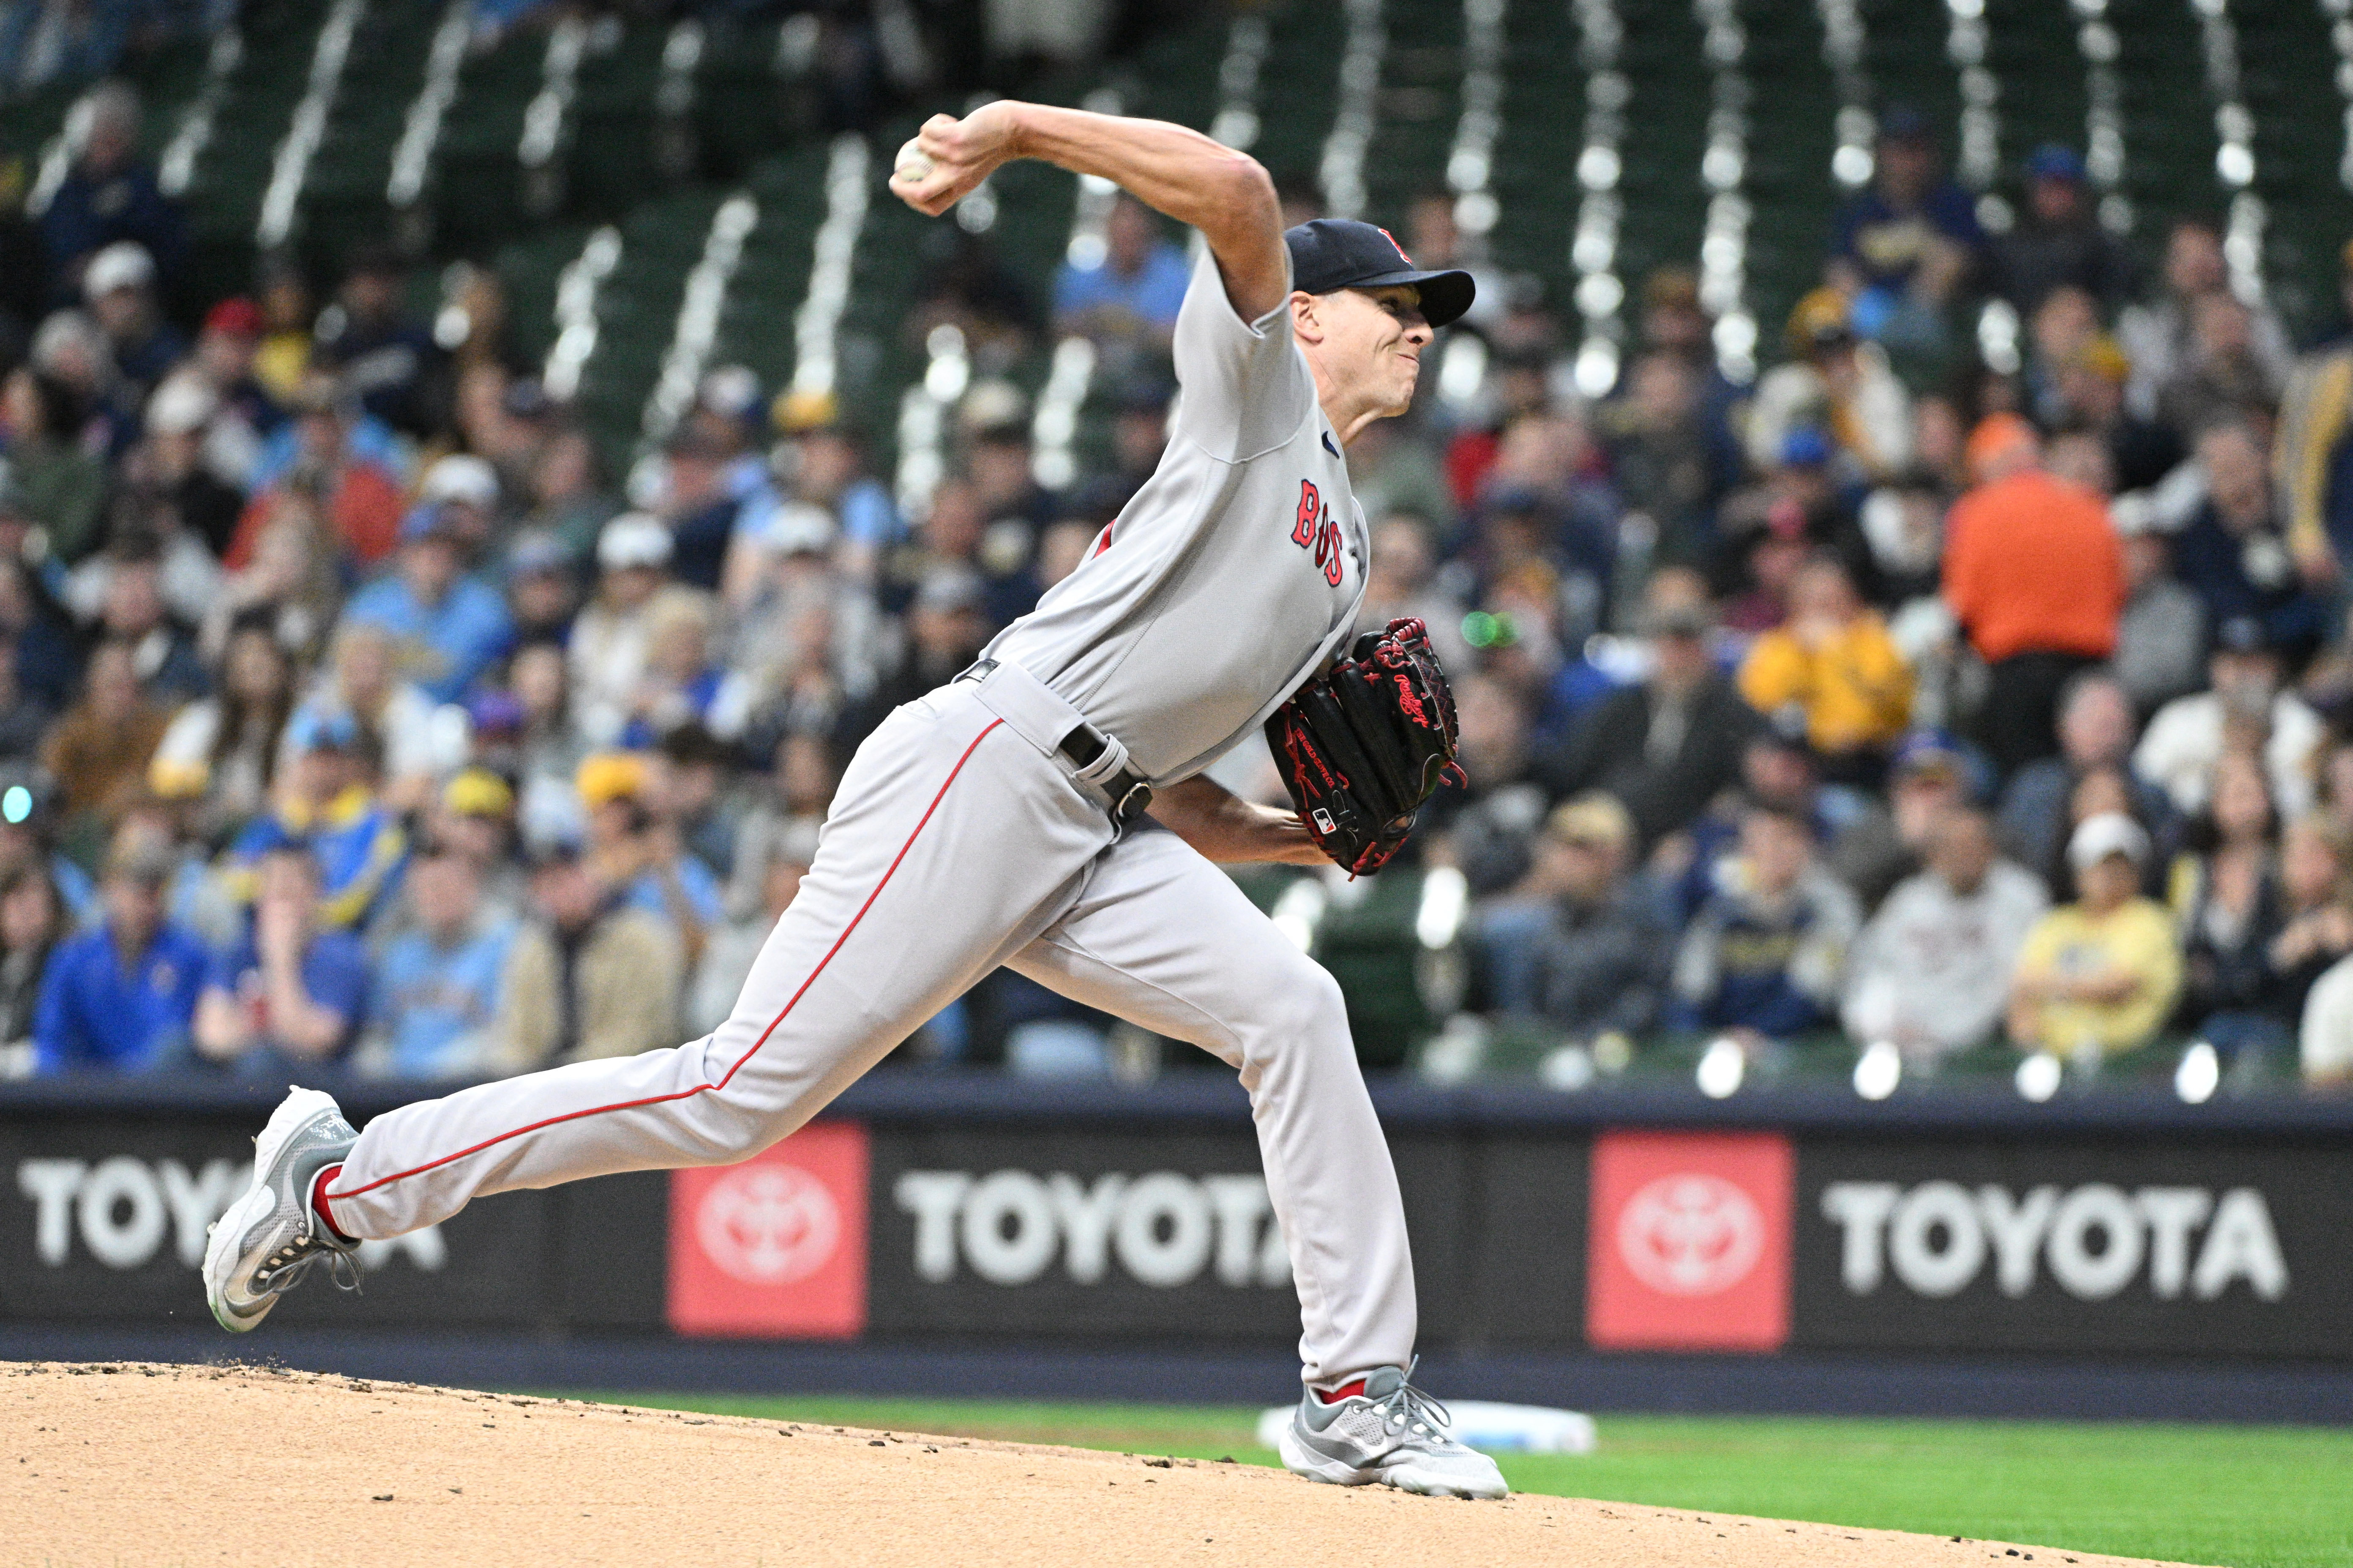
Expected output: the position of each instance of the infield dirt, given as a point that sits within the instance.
(129, 1464)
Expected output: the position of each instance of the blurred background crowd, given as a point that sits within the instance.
(1889, 701)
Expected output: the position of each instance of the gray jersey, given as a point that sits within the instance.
(1234, 573)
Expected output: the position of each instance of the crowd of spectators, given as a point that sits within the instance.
(352, 712)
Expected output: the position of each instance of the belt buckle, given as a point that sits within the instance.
(1133, 804)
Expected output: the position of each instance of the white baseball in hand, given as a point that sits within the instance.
(914, 166)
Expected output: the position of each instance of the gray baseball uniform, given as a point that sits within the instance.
(962, 839)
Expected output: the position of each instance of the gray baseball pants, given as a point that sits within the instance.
(961, 840)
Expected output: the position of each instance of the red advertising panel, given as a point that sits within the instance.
(773, 1248)
(1688, 1248)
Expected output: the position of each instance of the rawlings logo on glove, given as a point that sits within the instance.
(1363, 745)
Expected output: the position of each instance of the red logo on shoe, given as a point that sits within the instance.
(1688, 1245)
(773, 1248)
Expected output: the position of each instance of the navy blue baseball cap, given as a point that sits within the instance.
(2052, 161)
(1329, 253)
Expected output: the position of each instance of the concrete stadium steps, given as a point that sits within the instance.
(342, 202)
(2290, 66)
(475, 188)
(1417, 104)
(1297, 87)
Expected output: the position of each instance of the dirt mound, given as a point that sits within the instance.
(136, 1462)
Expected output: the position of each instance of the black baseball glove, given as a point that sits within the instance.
(1362, 745)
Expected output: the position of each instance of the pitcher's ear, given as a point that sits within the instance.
(1303, 322)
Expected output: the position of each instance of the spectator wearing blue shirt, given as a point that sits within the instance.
(1132, 294)
(452, 627)
(119, 998)
(438, 988)
(1903, 248)
(291, 993)
(829, 471)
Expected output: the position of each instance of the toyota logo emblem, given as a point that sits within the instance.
(768, 1225)
(1690, 1234)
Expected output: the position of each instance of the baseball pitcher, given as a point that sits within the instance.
(1046, 811)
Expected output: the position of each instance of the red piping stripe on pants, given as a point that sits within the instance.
(747, 1055)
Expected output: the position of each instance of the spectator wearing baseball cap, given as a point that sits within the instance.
(330, 806)
(636, 847)
(450, 627)
(388, 357)
(2035, 575)
(191, 443)
(1835, 383)
(1601, 960)
(2183, 743)
(698, 506)
(611, 635)
(1875, 844)
(119, 286)
(2059, 241)
(466, 488)
(330, 454)
(1903, 246)
(1764, 956)
(120, 997)
(227, 345)
(543, 586)
(2098, 977)
(1931, 971)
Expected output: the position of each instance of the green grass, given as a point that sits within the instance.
(2252, 1496)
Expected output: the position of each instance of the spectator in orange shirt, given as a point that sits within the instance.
(1833, 667)
(360, 499)
(2035, 575)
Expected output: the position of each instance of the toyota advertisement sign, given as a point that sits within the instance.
(1688, 1247)
(773, 1248)
(2130, 1247)
(1627, 1240)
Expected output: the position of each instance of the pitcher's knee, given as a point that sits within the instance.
(1304, 1012)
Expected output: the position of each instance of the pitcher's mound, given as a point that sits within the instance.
(135, 1463)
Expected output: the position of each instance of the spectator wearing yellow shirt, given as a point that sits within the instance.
(2098, 975)
(1833, 665)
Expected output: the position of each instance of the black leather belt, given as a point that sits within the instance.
(1127, 793)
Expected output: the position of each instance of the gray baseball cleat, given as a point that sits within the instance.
(1392, 1434)
(270, 1238)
